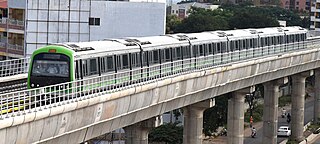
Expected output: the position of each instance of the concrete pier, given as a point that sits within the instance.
(236, 116)
(317, 96)
(270, 111)
(193, 122)
(138, 133)
(297, 108)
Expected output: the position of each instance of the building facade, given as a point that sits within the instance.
(299, 5)
(12, 29)
(182, 9)
(315, 16)
(26, 25)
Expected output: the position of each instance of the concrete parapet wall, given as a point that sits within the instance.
(91, 117)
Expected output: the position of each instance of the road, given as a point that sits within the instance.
(308, 115)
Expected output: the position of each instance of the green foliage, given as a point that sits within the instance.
(171, 23)
(284, 100)
(314, 128)
(243, 19)
(169, 133)
(234, 17)
(215, 116)
(203, 20)
(257, 113)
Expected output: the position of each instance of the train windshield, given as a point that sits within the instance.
(51, 65)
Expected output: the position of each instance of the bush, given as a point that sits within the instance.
(169, 133)
(257, 114)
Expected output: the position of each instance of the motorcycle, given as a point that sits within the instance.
(253, 134)
(223, 132)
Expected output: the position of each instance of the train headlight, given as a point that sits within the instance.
(32, 85)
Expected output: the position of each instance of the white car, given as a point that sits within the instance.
(284, 131)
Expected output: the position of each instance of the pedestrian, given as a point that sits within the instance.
(251, 121)
(283, 112)
(288, 117)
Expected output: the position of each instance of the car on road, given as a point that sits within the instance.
(284, 131)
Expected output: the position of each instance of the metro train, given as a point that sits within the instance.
(65, 62)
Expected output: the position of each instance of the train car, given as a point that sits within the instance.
(156, 56)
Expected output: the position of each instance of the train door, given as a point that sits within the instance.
(107, 66)
(135, 67)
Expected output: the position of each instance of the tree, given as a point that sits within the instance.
(171, 23)
(247, 19)
(216, 116)
(201, 20)
(169, 133)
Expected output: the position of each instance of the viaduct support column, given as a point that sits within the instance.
(297, 108)
(138, 133)
(193, 122)
(236, 116)
(270, 111)
(316, 115)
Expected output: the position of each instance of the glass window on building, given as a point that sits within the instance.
(94, 21)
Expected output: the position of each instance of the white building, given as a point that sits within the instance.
(56, 21)
(181, 10)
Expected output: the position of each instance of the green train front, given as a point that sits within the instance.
(50, 65)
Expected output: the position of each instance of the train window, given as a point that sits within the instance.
(93, 66)
(243, 46)
(138, 60)
(201, 50)
(110, 63)
(262, 42)
(265, 41)
(77, 72)
(186, 52)
(223, 47)
(135, 60)
(302, 37)
(155, 56)
(145, 58)
(232, 47)
(118, 62)
(102, 65)
(255, 42)
(246, 43)
(272, 41)
(125, 61)
(210, 48)
(251, 43)
(195, 52)
(218, 48)
(176, 53)
(236, 45)
(167, 55)
(297, 37)
(162, 56)
(85, 68)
